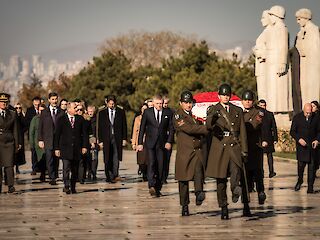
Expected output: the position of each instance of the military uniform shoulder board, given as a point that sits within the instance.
(120, 107)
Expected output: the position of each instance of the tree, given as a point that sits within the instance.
(61, 85)
(29, 91)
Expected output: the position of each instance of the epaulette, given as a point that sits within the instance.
(101, 107)
(120, 107)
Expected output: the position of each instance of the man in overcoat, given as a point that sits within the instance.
(305, 129)
(71, 140)
(189, 158)
(9, 141)
(112, 136)
(228, 147)
(269, 129)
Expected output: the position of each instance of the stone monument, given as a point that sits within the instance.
(260, 52)
(277, 78)
(308, 46)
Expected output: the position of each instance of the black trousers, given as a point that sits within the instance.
(9, 173)
(198, 184)
(270, 162)
(311, 172)
(70, 167)
(34, 159)
(52, 163)
(235, 177)
(82, 167)
(166, 164)
(111, 164)
(155, 167)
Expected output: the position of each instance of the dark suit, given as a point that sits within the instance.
(46, 134)
(70, 140)
(156, 136)
(269, 130)
(112, 140)
(308, 131)
(31, 112)
(9, 140)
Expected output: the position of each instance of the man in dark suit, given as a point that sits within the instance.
(9, 141)
(269, 129)
(112, 136)
(31, 112)
(157, 126)
(305, 129)
(46, 132)
(70, 140)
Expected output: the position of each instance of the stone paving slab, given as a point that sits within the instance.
(125, 210)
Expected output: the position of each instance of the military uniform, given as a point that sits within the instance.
(189, 158)
(229, 144)
(254, 166)
(8, 142)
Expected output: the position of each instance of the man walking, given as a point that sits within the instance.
(189, 158)
(156, 125)
(305, 129)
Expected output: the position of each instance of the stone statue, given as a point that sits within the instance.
(308, 46)
(278, 85)
(260, 52)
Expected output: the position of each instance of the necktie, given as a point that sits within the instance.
(72, 121)
(54, 116)
(158, 117)
(227, 109)
(111, 117)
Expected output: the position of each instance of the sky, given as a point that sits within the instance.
(36, 26)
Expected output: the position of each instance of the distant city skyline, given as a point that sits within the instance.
(32, 27)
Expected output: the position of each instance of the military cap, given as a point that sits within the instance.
(4, 97)
(248, 95)
(225, 89)
(186, 96)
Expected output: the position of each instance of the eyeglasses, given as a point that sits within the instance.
(18, 107)
(78, 110)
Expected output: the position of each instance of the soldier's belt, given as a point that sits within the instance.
(226, 133)
(230, 133)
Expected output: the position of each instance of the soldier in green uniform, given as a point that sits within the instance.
(253, 116)
(228, 147)
(189, 158)
(9, 141)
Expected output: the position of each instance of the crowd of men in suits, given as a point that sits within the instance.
(229, 144)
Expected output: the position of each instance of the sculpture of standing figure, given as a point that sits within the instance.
(260, 52)
(308, 45)
(277, 40)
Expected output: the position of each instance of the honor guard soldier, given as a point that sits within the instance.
(228, 148)
(9, 141)
(256, 141)
(189, 158)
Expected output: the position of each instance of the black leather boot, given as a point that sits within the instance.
(224, 213)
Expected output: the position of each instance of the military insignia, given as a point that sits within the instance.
(165, 116)
(177, 116)
(237, 115)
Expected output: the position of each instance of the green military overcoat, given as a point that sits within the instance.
(189, 147)
(9, 138)
(225, 148)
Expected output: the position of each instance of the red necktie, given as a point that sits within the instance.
(72, 121)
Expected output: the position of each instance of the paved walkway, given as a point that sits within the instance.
(125, 210)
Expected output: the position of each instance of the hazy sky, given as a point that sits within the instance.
(35, 26)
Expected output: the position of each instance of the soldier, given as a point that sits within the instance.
(189, 158)
(228, 148)
(256, 142)
(9, 141)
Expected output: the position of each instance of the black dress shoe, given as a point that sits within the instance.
(53, 182)
(74, 191)
(236, 194)
(310, 190)
(33, 172)
(261, 197)
(81, 181)
(224, 213)
(200, 196)
(11, 189)
(66, 190)
(246, 211)
(298, 186)
(152, 191)
(42, 178)
(185, 211)
(272, 174)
